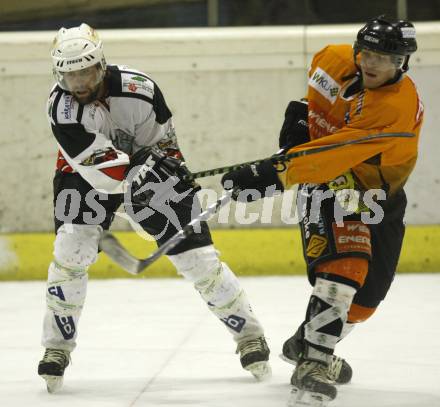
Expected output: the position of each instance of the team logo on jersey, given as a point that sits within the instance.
(316, 246)
(137, 84)
(324, 84)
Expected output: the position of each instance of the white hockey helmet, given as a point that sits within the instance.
(74, 49)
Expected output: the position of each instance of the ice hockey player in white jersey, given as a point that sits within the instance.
(109, 121)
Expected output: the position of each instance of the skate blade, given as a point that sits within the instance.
(53, 383)
(260, 370)
(302, 398)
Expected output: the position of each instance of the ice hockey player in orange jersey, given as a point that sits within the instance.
(356, 134)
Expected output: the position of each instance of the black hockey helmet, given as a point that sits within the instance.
(397, 37)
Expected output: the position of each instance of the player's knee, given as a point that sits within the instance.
(220, 288)
(338, 295)
(66, 290)
(359, 313)
(214, 280)
(76, 246)
(350, 268)
(196, 264)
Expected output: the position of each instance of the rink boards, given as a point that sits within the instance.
(247, 251)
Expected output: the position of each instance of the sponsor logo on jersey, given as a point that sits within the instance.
(316, 246)
(352, 236)
(318, 119)
(344, 181)
(324, 84)
(132, 87)
(137, 84)
(138, 78)
(68, 105)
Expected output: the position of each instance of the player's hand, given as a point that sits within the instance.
(151, 171)
(253, 182)
(295, 129)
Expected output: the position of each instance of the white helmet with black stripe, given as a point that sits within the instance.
(75, 49)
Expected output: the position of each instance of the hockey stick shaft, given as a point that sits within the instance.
(111, 246)
(280, 158)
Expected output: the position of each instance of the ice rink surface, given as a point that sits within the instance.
(154, 343)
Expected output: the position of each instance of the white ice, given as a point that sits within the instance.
(153, 343)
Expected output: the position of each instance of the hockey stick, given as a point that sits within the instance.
(119, 254)
(111, 246)
(282, 158)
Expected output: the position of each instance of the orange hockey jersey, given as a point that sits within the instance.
(386, 121)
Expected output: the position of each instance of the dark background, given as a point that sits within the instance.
(192, 13)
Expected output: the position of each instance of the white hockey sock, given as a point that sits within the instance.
(220, 289)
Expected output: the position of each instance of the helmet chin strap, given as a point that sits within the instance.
(395, 79)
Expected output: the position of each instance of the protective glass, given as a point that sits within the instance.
(369, 59)
(87, 78)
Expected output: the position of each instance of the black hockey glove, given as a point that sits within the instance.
(253, 182)
(295, 129)
(153, 172)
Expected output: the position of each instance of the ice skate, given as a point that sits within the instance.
(311, 386)
(254, 357)
(51, 368)
(339, 371)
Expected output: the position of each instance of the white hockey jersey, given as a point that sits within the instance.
(97, 139)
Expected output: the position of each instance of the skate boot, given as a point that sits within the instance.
(51, 368)
(339, 371)
(311, 386)
(254, 357)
